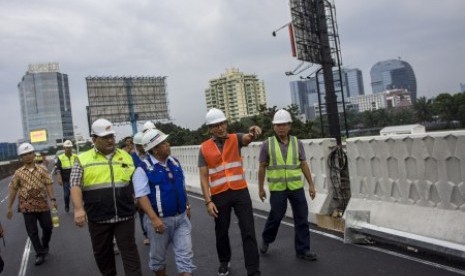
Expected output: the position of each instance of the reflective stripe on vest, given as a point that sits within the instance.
(284, 175)
(100, 173)
(225, 169)
(67, 163)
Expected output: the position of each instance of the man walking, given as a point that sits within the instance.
(64, 164)
(159, 186)
(34, 187)
(282, 158)
(224, 188)
(102, 180)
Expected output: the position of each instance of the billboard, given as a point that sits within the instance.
(127, 99)
(37, 136)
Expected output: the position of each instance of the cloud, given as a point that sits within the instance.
(192, 42)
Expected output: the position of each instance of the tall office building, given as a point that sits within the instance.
(393, 74)
(45, 105)
(304, 93)
(354, 80)
(237, 94)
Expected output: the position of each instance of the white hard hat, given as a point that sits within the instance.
(282, 117)
(148, 125)
(68, 144)
(102, 127)
(138, 138)
(25, 148)
(214, 116)
(152, 138)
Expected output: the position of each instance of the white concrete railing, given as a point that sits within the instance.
(317, 152)
(410, 183)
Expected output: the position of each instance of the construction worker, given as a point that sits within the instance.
(282, 159)
(102, 180)
(34, 187)
(139, 156)
(159, 186)
(224, 188)
(148, 125)
(64, 164)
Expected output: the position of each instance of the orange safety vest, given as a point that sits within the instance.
(224, 169)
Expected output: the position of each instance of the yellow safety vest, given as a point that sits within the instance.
(100, 173)
(67, 162)
(282, 174)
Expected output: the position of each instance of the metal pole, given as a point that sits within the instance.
(327, 65)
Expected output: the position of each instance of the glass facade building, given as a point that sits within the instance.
(45, 105)
(304, 93)
(393, 74)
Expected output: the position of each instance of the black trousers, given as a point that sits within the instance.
(101, 235)
(240, 201)
(45, 221)
(278, 201)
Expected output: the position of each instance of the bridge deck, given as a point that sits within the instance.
(71, 252)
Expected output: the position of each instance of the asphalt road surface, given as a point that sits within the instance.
(71, 253)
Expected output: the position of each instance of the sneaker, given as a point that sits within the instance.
(146, 241)
(264, 247)
(307, 256)
(223, 270)
(40, 260)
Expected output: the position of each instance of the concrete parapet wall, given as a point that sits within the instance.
(411, 183)
(317, 151)
(9, 168)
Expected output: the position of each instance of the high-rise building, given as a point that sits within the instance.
(393, 74)
(45, 105)
(354, 81)
(8, 151)
(304, 93)
(237, 94)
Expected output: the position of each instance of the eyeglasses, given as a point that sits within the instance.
(217, 125)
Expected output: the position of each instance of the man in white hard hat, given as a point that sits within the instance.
(34, 187)
(102, 195)
(138, 156)
(224, 188)
(148, 125)
(159, 186)
(282, 158)
(63, 165)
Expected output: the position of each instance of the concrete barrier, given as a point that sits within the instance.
(410, 184)
(317, 152)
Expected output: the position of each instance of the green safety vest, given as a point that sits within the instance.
(284, 175)
(67, 162)
(100, 173)
(106, 185)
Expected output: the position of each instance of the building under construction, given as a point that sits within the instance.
(124, 100)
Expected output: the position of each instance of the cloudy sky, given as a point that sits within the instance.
(194, 41)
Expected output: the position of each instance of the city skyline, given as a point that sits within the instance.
(191, 43)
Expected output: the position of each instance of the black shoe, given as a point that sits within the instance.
(40, 260)
(67, 209)
(307, 256)
(256, 273)
(264, 247)
(223, 270)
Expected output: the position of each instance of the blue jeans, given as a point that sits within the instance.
(278, 201)
(178, 233)
(66, 193)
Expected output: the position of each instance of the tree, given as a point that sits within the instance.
(423, 110)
